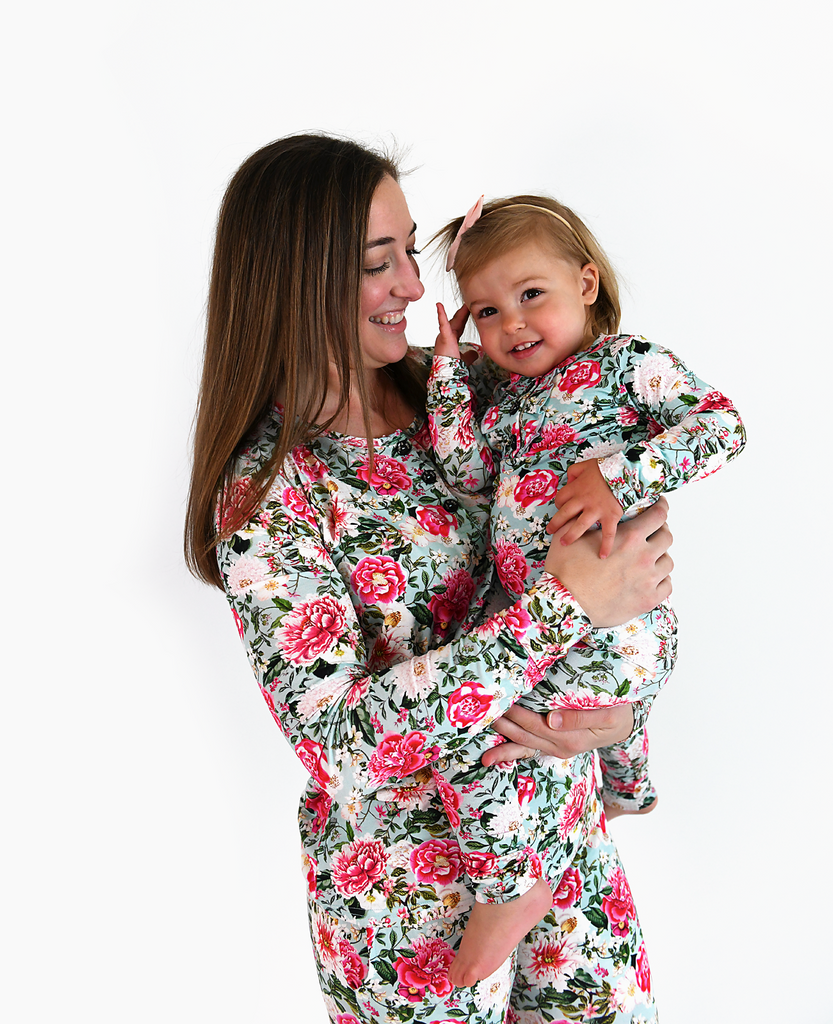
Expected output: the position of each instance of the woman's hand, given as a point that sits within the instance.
(631, 581)
(563, 733)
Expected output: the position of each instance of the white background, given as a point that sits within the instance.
(151, 853)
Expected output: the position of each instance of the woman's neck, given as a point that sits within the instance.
(388, 409)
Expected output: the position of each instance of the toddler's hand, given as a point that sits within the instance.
(450, 331)
(586, 499)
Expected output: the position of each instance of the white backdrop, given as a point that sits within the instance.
(151, 853)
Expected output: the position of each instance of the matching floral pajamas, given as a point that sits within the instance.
(653, 426)
(361, 594)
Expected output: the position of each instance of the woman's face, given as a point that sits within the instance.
(390, 279)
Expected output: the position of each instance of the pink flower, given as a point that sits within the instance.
(450, 798)
(553, 436)
(713, 400)
(351, 963)
(436, 861)
(490, 419)
(312, 875)
(479, 865)
(347, 1018)
(239, 623)
(618, 906)
(555, 961)
(579, 376)
(234, 509)
(436, 520)
(358, 866)
(311, 630)
(536, 488)
(517, 620)
(453, 603)
(319, 803)
(526, 789)
(426, 969)
(313, 467)
(297, 505)
(314, 758)
(378, 579)
(399, 755)
(643, 970)
(511, 566)
(468, 704)
(570, 814)
(568, 892)
(388, 476)
(626, 416)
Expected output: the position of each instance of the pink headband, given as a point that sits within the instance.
(474, 215)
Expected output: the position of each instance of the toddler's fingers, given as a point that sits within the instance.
(578, 528)
(446, 343)
(608, 536)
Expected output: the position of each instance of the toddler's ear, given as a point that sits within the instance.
(589, 283)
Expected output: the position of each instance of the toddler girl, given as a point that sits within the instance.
(598, 425)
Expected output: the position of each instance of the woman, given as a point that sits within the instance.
(359, 583)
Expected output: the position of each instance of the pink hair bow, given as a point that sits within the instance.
(470, 218)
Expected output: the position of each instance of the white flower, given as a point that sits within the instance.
(626, 992)
(508, 820)
(320, 697)
(245, 575)
(656, 378)
(505, 491)
(603, 450)
(653, 468)
(492, 993)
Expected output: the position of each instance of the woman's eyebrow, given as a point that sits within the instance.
(387, 239)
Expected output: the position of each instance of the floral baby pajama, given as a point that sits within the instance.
(653, 425)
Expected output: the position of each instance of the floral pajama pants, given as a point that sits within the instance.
(384, 955)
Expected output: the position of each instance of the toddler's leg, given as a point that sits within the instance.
(626, 783)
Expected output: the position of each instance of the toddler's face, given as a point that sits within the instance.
(530, 308)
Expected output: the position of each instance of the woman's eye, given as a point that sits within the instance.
(372, 271)
(531, 293)
(413, 252)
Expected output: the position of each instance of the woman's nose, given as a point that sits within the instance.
(408, 285)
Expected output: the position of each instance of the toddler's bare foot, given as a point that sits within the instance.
(493, 931)
(614, 812)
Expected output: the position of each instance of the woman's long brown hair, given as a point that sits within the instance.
(284, 300)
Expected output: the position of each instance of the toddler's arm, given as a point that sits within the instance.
(460, 450)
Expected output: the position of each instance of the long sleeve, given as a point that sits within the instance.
(695, 428)
(460, 448)
(349, 610)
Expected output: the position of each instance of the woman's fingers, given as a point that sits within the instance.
(507, 752)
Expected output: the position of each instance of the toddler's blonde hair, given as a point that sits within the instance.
(507, 224)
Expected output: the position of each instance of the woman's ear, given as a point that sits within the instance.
(589, 283)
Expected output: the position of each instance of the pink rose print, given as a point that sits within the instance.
(426, 969)
(511, 566)
(312, 876)
(643, 970)
(378, 579)
(297, 505)
(526, 789)
(320, 804)
(234, 511)
(239, 623)
(713, 400)
(389, 476)
(568, 892)
(397, 756)
(313, 467)
(626, 416)
(580, 375)
(358, 866)
(347, 1018)
(517, 620)
(450, 798)
(351, 963)
(491, 417)
(468, 704)
(314, 758)
(479, 865)
(311, 630)
(618, 906)
(553, 436)
(570, 814)
(453, 604)
(436, 861)
(536, 488)
(436, 520)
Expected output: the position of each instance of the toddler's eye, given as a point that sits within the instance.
(486, 311)
(531, 293)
